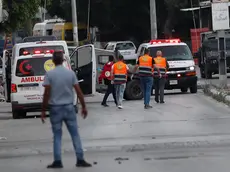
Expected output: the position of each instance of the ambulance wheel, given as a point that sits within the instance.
(133, 90)
(17, 114)
(193, 89)
(184, 90)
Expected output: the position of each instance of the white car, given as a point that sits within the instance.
(126, 48)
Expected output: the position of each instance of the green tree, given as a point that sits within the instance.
(19, 13)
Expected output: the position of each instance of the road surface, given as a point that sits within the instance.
(191, 132)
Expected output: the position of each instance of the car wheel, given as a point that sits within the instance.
(202, 73)
(17, 114)
(133, 90)
(193, 89)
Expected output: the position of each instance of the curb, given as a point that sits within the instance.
(217, 94)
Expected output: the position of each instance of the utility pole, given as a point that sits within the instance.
(222, 59)
(74, 21)
(153, 19)
(1, 11)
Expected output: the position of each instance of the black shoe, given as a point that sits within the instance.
(55, 164)
(83, 163)
(162, 102)
(148, 107)
(104, 104)
(157, 101)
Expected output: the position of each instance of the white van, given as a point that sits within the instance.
(27, 67)
(182, 71)
(45, 28)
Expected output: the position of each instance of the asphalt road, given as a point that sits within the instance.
(191, 132)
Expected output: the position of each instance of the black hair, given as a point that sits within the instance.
(120, 57)
(146, 51)
(111, 59)
(58, 57)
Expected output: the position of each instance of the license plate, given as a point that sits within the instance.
(28, 88)
(173, 82)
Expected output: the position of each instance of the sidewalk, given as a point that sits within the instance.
(213, 89)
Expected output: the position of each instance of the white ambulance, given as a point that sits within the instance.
(182, 71)
(24, 72)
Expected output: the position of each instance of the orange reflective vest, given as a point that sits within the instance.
(161, 63)
(120, 73)
(145, 65)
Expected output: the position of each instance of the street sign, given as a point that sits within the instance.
(220, 15)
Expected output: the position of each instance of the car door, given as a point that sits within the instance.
(83, 62)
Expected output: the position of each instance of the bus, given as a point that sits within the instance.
(64, 31)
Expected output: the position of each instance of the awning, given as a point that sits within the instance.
(197, 8)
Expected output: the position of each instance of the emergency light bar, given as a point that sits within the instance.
(159, 41)
(39, 52)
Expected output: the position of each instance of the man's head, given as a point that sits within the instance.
(159, 53)
(58, 58)
(146, 51)
(120, 58)
(111, 59)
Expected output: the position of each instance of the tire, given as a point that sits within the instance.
(202, 73)
(133, 90)
(208, 75)
(193, 89)
(17, 114)
(184, 90)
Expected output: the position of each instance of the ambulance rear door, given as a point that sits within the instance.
(83, 62)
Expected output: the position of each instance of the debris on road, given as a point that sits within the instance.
(3, 138)
(121, 159)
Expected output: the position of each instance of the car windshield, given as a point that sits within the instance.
(176, 52)
(41, 49)
(125, 46)
(33, 66)
(212, 45)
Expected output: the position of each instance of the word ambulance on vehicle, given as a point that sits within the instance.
(182, 71)
(24, 74)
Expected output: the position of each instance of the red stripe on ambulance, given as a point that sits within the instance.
(32, 79)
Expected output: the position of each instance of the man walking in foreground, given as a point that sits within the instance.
(59, 94)
(159, 80)
(119, 74)
(146, 65)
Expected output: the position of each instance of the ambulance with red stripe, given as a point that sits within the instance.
(24, 74)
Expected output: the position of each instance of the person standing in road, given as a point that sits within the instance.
(59, 94)
(159, 81)
(146, 65)
(106, 75)
(119, 73)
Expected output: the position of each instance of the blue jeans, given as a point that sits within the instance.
(119, 89)
(66, 114)
(146, 86)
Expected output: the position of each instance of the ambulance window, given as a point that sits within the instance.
(42, 49)
(176, 52)
(33, 66)
(85, 52)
